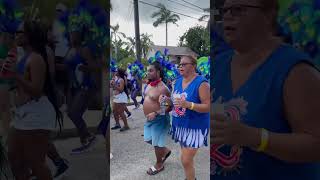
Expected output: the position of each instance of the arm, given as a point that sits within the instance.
(204, 93)
(92, 65)
(34, 87)
(167, 93)
(301, 102)
(119, 87)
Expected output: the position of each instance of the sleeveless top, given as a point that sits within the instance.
(78, 78)
(190, 128)
(257, 103)
(135, 84)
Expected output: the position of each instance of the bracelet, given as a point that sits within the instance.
(192, 106)
(264, 140)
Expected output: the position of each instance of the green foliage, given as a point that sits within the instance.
(146, 44)
(125, 61)
(197, 39)
(45, 9)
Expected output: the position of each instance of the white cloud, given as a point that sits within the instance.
(123, 14)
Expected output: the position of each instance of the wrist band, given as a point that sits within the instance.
(264, 140)
(192, 106)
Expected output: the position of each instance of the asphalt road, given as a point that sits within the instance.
(132, 156)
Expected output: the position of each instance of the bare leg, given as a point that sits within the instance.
(122, 107)
(187, 155)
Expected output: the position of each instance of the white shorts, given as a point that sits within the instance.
(120, 98)
(35, 115)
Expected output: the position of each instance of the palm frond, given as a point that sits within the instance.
(156, 14)
(204, 17)
(157, 22)
(175, 16)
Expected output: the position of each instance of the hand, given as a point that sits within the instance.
(164, 98)
(178, 102)
(233, 132)
(112, 82)
(8, 64)
(151, 116)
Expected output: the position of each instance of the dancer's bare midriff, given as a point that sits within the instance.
(151, 98)
(21, 96)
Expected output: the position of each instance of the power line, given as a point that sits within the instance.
(192, 4)
(184, 5)
(170, 11)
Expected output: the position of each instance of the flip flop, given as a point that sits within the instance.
(167, 155)
(153, 171)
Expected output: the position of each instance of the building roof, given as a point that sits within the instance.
(175, 51)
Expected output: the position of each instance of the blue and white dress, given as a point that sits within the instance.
(189, 128)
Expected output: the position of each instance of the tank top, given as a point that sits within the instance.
(78, 78)
(190, 128)
(257, 103)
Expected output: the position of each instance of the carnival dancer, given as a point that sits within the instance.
(35, 100)
(190, 116)
(264, 124)
(120, 100)
(157, 126)
(87, 33)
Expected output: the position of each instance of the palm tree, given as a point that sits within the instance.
(131, 44)
(146, 44)
(164, 16)
(115, 34)
(207, 16)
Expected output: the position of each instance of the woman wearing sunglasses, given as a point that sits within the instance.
(264, 124)
(190, 115)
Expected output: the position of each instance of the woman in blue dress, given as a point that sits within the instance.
(265, 97)
(190, 116)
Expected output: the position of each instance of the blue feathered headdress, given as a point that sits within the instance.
(170, 70)
(299, 23)
(113, 66)
(203, 67)
(91, 22)
(137, 68)
(10, 16)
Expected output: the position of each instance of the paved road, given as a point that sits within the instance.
(132, 156)
(89, 166)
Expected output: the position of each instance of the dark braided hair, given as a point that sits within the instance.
(158, 67)
(37, 39)
(122, 74)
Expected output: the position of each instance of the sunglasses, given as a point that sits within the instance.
(238, 10)
(184, 64)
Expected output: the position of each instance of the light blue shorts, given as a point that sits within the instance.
(156, 131)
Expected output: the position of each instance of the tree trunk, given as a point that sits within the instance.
(166, 34)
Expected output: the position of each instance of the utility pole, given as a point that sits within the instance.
(137, 29)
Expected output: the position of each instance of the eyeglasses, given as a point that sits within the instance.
(238, 10)
(184, 64)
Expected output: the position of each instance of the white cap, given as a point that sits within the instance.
(61, 7)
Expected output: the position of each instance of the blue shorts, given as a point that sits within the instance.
(156, 131)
